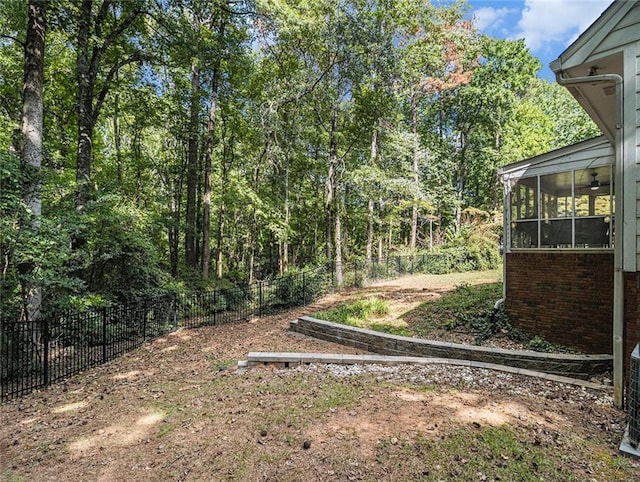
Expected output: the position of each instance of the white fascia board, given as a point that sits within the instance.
(591, 153)
(579, 51)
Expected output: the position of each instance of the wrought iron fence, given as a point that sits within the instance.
(34, 355)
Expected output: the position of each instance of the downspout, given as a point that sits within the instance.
(618, 254)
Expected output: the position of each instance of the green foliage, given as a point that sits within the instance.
(121, 260)
(539, 344)
(469, 307)
(296, 288)
(356, 312)
(452, 259)
(378, 88)
(498, 453)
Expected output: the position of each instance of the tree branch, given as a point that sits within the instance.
(111, 38)
(15, 39)
(136, 57)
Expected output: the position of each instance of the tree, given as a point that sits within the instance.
(100, 40)
(439, 55)
(32, 112)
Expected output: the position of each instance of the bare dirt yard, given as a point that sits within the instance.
(176, 409)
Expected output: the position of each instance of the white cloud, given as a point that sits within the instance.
(547, 22)
(489, 18)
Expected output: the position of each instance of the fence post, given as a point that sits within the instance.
(175, 311)
(45, 352)
(103, 313)
(260, 298)
(304, 288)
(412, 265)
(144, 320)
(215, 306)
(399, 265)
(387, 261)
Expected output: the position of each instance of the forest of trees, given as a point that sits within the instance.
(148, 145)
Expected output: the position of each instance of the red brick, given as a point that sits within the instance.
(566, 298)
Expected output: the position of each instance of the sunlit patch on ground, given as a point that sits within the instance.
(415, 412)
(70, 407)
(122, 434)
(27, 421)
(127, 376)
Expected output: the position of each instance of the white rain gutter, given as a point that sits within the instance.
(618, 278)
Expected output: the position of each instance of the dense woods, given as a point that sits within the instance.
(148, 145)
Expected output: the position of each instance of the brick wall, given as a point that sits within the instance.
(565, 297)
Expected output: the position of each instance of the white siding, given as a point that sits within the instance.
(625, 32)
(633, 104)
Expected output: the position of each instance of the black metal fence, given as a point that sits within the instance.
(34, 355)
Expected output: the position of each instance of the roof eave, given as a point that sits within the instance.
(578, 52)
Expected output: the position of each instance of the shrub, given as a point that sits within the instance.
(357, 311)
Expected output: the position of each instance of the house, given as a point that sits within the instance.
(572, 233)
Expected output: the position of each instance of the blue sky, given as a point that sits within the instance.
(548, 26)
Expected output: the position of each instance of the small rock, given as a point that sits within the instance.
(263, 433)
(306, 444)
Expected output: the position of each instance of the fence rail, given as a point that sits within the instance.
(35, 355)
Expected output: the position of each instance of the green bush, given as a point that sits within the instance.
(355, 312)
(297, 288)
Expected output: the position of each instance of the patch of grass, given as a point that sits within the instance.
(356, 312)
(387, 328)
(492, 453)
(337, 394)
(166, 428)
(10, 477)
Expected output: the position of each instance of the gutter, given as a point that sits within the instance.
(618, 278)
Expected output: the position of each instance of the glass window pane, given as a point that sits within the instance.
(592, 232)
(556, 234)
(555, 190)
(593, 192)
(524, 234)
(524, 199)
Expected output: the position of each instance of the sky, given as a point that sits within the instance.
(548, 26)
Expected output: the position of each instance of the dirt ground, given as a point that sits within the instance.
(176, 409)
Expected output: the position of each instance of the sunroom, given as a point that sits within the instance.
(558, 242)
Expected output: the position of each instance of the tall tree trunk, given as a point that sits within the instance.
(338, 243)
(116, 137)
(192, 169)
(254, 227)
(370, 230)
(416, 172)
(332, 207)
(206, 201)
(86, 79)
(371, 204)
(342, 209)
(32, 113)
(93, 42)
(225, 167)
(284, 262)
(461, 178)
